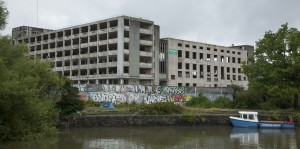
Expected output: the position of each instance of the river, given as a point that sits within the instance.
(207, 137)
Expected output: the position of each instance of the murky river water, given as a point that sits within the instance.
(219, 137)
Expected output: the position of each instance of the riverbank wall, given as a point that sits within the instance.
(145, 120)
(153, 120)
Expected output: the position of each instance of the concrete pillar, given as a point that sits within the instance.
(120, 55)
(156, 54)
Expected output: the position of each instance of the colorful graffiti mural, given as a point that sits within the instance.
(138, 93)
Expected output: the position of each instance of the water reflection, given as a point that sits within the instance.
(246, 136)
(265, 138)
(164, 137)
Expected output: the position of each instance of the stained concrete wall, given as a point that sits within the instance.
(134, 48)
(145, 120)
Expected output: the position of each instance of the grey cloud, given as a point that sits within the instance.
(221, 22)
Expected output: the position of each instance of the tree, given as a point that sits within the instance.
(69, 102)
(27, 108)
(3, 15)
(275, 66)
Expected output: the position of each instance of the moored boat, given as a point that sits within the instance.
(250, 119)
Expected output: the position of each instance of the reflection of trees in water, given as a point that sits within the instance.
(265, 138)
(161, 137)
(156, 137)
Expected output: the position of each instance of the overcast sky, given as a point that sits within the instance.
(220, 22)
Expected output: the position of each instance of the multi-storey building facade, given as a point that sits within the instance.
(25, 31)
(187, 63)
(119, 50)
(127, 50)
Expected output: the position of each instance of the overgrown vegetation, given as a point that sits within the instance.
(27, 92)
(274, 69)
(202, 101)
(159, 108)
(69, 102)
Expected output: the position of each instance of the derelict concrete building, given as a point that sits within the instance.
(128, 50)
(187, 63)
(119, 50)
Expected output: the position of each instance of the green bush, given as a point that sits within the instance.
(91, 103)
(159, 108)
(199, 101)
(70, 102)
(222, 102)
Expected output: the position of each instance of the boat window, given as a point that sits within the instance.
(251, 117)
(244, 116)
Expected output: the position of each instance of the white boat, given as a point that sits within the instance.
(250, 119)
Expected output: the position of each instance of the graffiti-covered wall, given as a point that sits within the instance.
(136, 93)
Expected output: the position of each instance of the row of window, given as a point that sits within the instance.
(208, 48)
(209, 79)
(208, 68)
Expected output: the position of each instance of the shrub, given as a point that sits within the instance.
(199, 101)
(70, 102)
(222, 102)
(159, 108)
(91, 103)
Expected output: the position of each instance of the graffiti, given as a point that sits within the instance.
(138, 93)
(83, 96)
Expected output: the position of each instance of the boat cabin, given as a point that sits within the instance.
(247, 115)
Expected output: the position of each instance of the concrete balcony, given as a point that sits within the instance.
(44, 41)
(93, 54)
(147, 54)
(67, 37)
(84, 45)
(58, 69)
(75, 46)
(75, 56)
(102, 31)
(92, 33)
(113, 29)
(103, 53)
(75, 36)
(68, 47)
(146, 42)
(67, 67)
(112, 64)
(93, 43)
(103, 42)
(59, 58)
(112, 52)
(146, 65)
(59, 39)
(126, 51)
(145, 31)
(101, 65)
(146, 76)
(32, 53)
(126, 28)
(93, 65)
(84, 55)
(59, 48)
(51, 40)
(115, 40)
(84, 34)
(126, 63)
(126, 39)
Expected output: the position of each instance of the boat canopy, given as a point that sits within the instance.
(247, 112)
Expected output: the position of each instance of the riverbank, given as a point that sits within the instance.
(152, 120)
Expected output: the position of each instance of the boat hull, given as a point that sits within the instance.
(243, 123)
(276, 125)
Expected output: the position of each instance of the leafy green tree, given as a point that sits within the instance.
(275, 66)
(69, 102)
(3, 15)
(27, 87)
